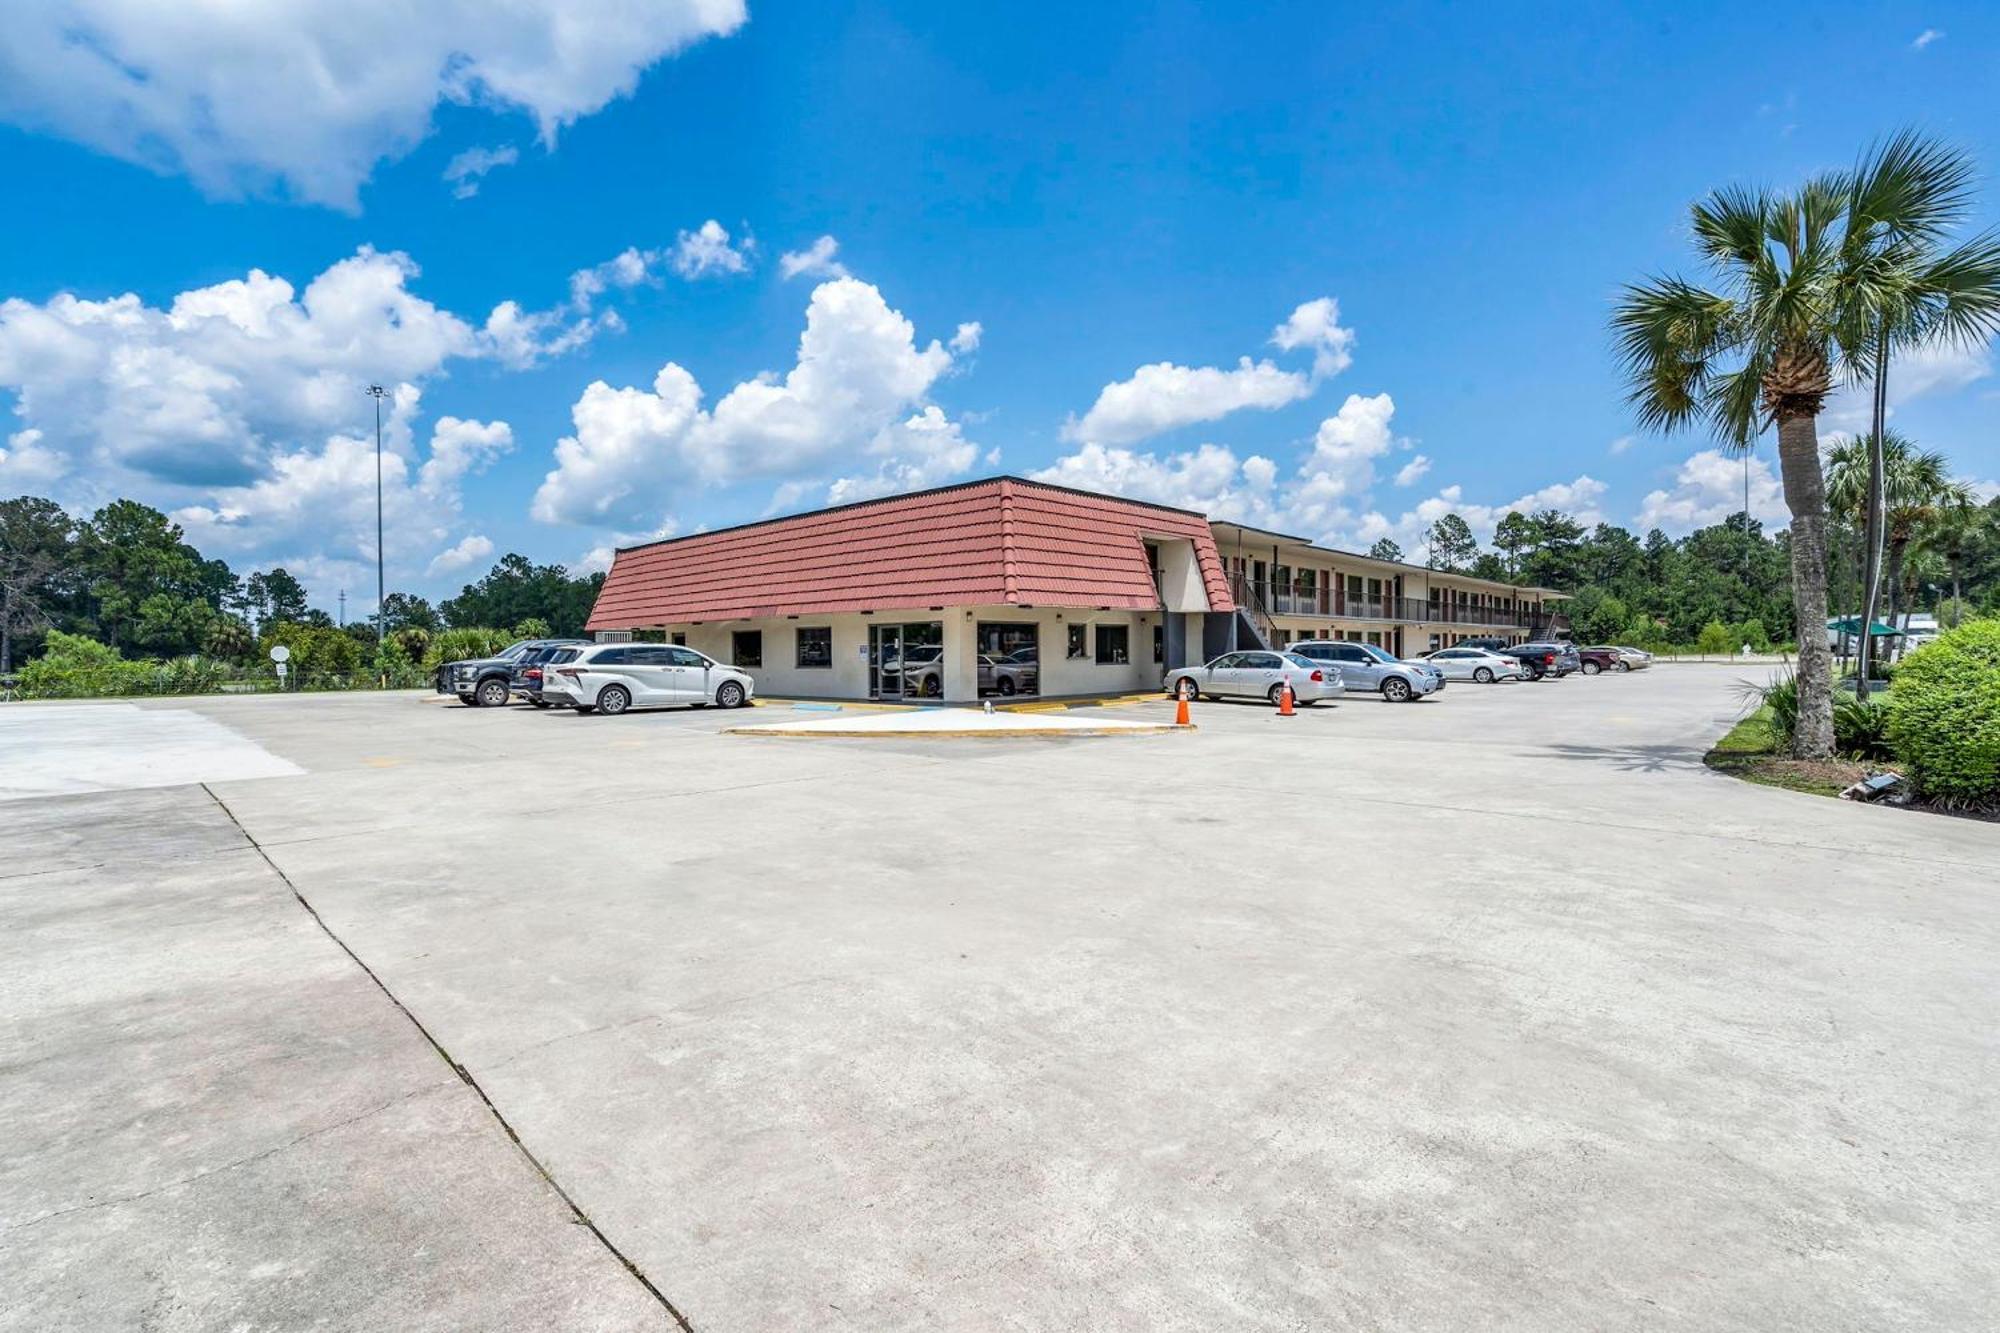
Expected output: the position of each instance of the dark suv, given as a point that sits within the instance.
(526, 679)
(489, 681)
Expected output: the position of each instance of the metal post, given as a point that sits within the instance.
(378, 393)
(1872, 562)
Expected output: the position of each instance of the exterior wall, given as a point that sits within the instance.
(847, 678)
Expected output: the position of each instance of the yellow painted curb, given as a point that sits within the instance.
(770, 733)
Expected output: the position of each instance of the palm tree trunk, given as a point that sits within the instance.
(1894, 580)
(1805, 496)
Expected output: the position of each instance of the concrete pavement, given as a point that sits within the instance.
(1493, 1011)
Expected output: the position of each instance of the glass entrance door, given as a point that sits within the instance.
(885, 661)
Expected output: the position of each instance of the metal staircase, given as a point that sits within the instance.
(1253, 618)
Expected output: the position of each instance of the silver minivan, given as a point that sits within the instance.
(611, 678)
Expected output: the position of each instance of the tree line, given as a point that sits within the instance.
(127, 578)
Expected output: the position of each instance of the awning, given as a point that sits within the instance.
(1852, 625)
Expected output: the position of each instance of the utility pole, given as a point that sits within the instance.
(378, 393)
(343, 608)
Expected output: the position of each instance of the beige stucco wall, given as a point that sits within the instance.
(847, 678)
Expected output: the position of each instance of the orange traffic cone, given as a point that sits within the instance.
(1181, 718)
(1285, 700)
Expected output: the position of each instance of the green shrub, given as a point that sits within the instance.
(462, 645)
(1861, 726)
(1714, 638)
(1944, 714)
(74, 667)
(1781, 696)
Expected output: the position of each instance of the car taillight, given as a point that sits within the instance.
(1548, 659)
(533, 673)
(1317, 676)
(571, 672)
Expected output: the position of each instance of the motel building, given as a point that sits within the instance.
(1007, 587)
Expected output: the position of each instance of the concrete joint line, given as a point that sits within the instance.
(577, 1214)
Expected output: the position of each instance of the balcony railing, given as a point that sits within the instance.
(1332, 604)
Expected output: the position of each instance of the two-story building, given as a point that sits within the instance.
(1008, 586)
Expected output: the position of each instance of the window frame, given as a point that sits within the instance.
(736, 637)
(1114, 638)
(819, 634)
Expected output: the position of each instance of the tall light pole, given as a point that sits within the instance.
(378, 393)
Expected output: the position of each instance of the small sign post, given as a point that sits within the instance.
(280, 655)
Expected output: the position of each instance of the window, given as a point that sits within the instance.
(1159, 644)
(1261, 661)
(815, 646)
(746, 647)
(1010, 657)
(613, 657)
(687, 657)
(1079, 641)
(680, 637)
(1113, 645)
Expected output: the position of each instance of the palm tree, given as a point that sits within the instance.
(1908, 194)
(1822, 282)
(1952, 538)
(1917, 489)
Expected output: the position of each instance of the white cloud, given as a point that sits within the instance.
(707, 250)
(1316, 324)
(1939, 368)
(1709, 488)
(928, 449)
(202, 391)
(464, 172)
(25, 464)
(816, 261)
(459, 449)
(967, 338)
(471, 548)
(859, 376)
(1410, 472)
(1209, 478)
(306, 99)
(1925, 38)
(1165, 396)
(1621, 445)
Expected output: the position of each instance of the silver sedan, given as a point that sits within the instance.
(1256, 675)
(1480, 664)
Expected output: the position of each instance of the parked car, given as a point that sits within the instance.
(1368, 669)
(913, 660)
(997, 675)
(1025, 665)
(1595, 660)
(489, 681)
(1256, 674)
(1547, 659)
(611, 678)
(1630, 659)
(1480, 664)
(526, 679)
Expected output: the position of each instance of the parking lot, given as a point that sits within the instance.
(1496, 1010)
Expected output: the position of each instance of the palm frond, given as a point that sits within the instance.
(1910, 185)
(1669, 335)
(1736, 407)
(1960, 291)
(1729, 225)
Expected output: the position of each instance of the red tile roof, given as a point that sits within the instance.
(998, 542)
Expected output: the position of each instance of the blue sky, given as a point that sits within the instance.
(1061, 242)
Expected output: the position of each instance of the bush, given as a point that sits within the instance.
(1781, 696)
(1861, 726)
(1714, 638)
(1944, 715)
(74, 667)
(462, 645)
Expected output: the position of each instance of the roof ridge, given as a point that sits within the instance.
(1009, 584)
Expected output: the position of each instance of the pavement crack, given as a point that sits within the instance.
(237, 1164)
(577, 1214)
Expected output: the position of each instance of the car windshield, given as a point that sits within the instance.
(1379, 654)
(513, 650)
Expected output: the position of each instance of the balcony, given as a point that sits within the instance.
(1331, 603)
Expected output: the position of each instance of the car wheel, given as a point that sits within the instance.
(468, 701)
(1591, 668)
(492, 693)
(1484, 675)
(613, 700)
(933, 686)
(1185, 688)
(1277, 694)
(1005, 685)
(1624, 666)
(730, 695)
(1396, 690)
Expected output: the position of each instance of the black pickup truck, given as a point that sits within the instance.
(490, 681)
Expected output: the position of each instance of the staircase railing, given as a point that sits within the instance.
(1251, 604)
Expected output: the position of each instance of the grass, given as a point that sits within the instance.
(1750, 752)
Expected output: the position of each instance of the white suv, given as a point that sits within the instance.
(610, 678)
